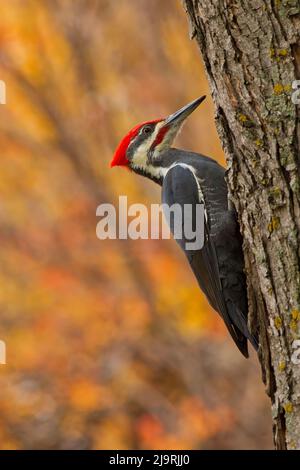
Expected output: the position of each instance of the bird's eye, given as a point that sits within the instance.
(147, 130)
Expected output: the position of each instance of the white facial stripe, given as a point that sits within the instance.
(167, 140)
(139, 159)
(154, 171)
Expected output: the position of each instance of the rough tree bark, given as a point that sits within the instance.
(251, 53)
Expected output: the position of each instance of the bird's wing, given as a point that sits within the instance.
(180, 186)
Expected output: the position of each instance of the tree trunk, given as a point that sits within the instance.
(252, 57)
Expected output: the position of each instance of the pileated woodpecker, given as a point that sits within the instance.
(191, 178)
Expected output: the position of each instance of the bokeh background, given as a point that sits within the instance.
(110, 344)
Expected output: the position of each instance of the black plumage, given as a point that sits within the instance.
(218, 266)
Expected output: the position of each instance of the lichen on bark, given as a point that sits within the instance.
(251, 54)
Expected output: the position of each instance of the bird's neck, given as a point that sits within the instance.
(154, 170)
(153, 173)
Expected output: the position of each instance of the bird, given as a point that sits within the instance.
(191, 178)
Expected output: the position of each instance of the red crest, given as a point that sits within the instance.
(119, 158)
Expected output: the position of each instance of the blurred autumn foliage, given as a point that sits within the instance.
(110, 344)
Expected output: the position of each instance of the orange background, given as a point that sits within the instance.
(110, 344)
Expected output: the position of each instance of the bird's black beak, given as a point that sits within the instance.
(179, 116)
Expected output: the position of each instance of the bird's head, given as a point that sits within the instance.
(141, 148)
